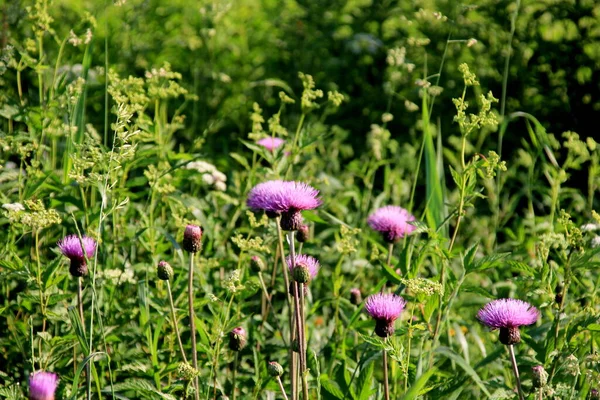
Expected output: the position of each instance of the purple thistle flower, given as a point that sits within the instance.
(385, 308)
(42, 385)
(271, 143)
(305, 268)
(508, 315)
(287, 198)
(392, 222)
(71, 247)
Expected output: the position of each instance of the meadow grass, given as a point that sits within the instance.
(273, 269)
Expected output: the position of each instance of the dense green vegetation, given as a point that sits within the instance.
(127, 122)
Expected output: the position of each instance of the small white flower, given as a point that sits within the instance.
(13, 207)
(590, 227)
(220, 186)
(595, 241)
(208, 179)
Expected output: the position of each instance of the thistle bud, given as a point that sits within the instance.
(192, 239)
(274, 369)
(594, 394)
(540, 376)
(301, 274)
(237, 339)
(164, 271)
(303, 234)
(355, 296)
(257, 264)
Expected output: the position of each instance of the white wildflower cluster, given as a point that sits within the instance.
(117, 276)
(210, 174)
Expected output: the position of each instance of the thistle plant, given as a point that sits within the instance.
(508, 315)
(385, 310)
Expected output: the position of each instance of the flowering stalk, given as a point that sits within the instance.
(291, 353)
(515, 369)
(299, 320)
(192, 322)
(192, 243)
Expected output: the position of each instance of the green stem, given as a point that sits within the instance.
(282, 389)
(193, 323)
(175, 325)
(515, 369)
(386, 386)
(234, 376)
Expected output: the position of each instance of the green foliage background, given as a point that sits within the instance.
(109, 134)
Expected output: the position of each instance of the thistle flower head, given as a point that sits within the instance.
(42, 385)
(385, 308)
(304, 269)
(287, 198)
(540, 376)
(271, 143)
(508, 315)
(71, 247)
(238, 339)
(192, 238)
(164, 271)
(355, 296)
(392, 222)
(275, 369)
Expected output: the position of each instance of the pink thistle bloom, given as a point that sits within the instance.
(288, 198)
(508, 315)
(271, 143)
(42, 385)
(70, 247)
(305, 267)
(385, 308)
(392, 222)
